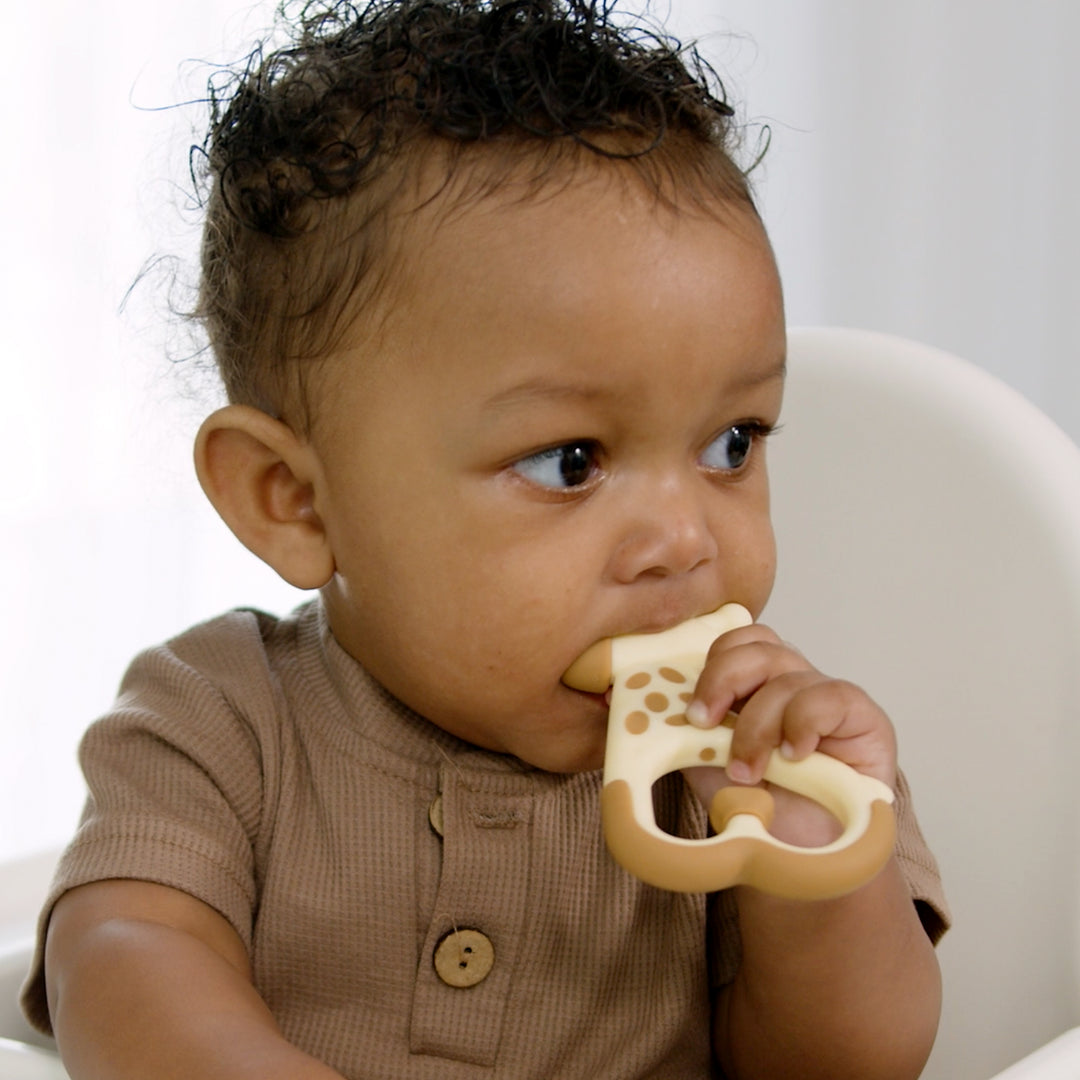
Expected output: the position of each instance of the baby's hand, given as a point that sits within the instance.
(784, 703)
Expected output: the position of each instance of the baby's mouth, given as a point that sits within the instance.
(601, 699)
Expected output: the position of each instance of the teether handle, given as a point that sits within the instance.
(742, 853)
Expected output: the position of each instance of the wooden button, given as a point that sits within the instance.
(464, 958)
(435, 815)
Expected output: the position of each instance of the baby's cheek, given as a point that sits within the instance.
(762, 581)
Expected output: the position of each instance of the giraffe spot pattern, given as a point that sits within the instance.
(708, 754)
(637, 721)
(672, 675)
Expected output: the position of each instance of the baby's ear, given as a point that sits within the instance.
(261, 479)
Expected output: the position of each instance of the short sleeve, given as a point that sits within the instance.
(919, 867)
(175, 783)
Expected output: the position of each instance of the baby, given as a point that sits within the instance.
(503, 341)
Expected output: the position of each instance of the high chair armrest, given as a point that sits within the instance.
(19, 1061)
(1057, 1060)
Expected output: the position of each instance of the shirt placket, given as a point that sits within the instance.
(473, 943)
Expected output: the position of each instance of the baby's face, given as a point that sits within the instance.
(555, 439)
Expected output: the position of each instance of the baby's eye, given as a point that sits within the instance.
(566, 466)
(730, 449)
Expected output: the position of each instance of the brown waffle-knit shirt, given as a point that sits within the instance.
(253, 764)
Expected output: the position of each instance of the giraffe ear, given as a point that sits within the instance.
(591, 671)
(265, 481)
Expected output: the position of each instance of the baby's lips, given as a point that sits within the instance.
(591, 671)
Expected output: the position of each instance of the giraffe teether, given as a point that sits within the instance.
(652, 677)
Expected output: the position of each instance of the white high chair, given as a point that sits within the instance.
(928, 523)
(928, 520)
(24, 1054)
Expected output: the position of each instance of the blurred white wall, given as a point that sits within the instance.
(109, 545)
(922, 169)
(918, 182)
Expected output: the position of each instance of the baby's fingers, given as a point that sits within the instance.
(738, 665)
(772, 718)
(812, 712)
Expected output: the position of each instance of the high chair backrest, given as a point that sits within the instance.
(928, 526)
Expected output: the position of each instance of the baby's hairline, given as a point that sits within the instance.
(307, 142)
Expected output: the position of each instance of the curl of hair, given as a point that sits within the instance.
(303, 142)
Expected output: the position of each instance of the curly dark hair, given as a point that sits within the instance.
(309, 145)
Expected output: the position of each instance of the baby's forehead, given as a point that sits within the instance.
(524, 276)
(481, 194)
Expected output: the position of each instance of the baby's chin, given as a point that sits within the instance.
(580, 747)
(566, 756)
(566, 734)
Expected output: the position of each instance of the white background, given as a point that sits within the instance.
(920, 181)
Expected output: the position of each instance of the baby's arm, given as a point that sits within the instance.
(839, 988)
(144, 980)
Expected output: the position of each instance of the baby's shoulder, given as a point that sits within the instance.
(238, 662)
(244, 634)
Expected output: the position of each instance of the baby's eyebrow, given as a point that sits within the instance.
(541, 388)
(757, 374)
(544, 389)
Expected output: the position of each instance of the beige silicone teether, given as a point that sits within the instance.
(652, 677)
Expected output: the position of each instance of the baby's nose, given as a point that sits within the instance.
(667, 532)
